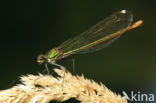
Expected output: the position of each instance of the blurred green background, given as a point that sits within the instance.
(32, 27)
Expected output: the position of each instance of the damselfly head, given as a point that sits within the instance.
(41, 59)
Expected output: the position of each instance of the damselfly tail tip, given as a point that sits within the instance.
(136, 24)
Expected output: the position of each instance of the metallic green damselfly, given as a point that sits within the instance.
(97, 37)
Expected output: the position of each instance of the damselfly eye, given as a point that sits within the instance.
(41, 59)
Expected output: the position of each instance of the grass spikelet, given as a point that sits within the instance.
(46, 88)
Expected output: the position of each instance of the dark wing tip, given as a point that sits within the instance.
(123, 11)
(126, 14)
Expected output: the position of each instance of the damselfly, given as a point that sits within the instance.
(97, 37)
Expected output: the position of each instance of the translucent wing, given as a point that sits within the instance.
(95, 38)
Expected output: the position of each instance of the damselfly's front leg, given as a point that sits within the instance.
(61, 67)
